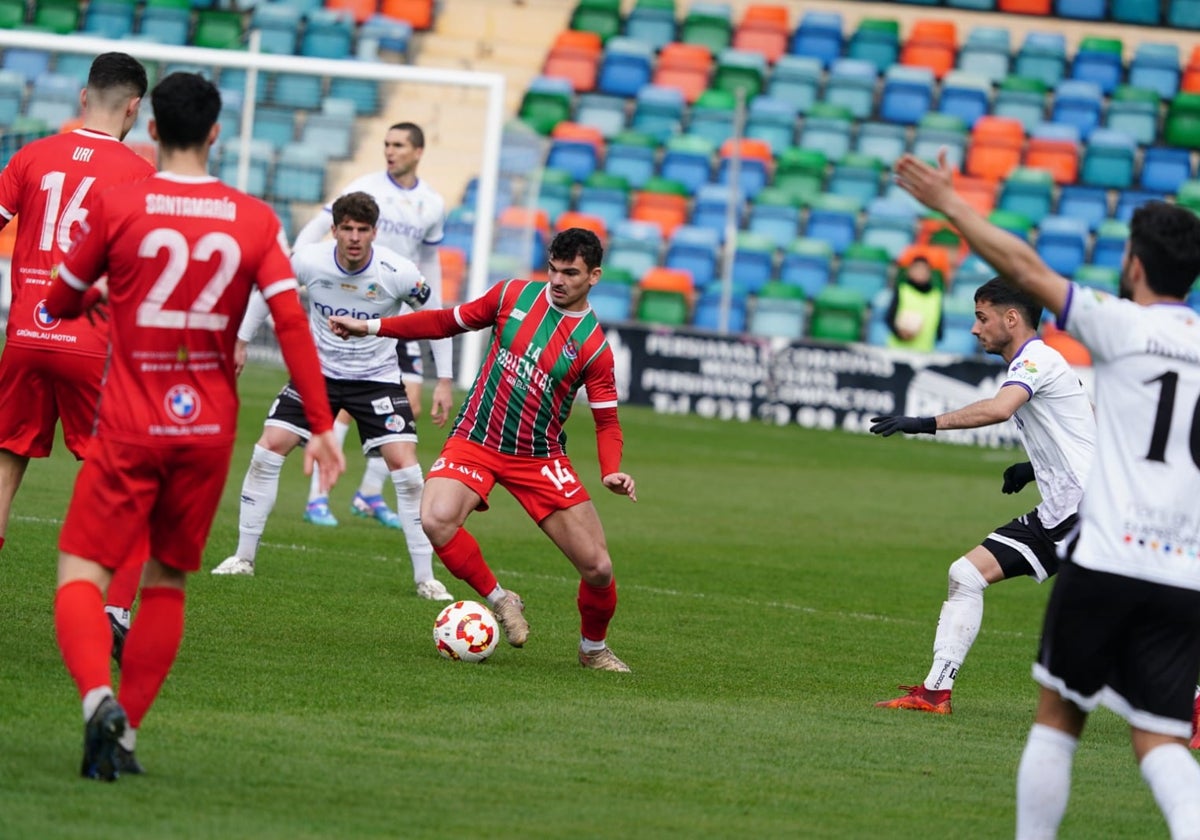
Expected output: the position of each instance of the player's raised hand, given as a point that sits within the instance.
(345, 327)
(889, 424)
(1017, 476)
(621, 484)
(443, 402)
(324, 450)
(932, 187)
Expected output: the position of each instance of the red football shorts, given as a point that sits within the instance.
(541, 485)
(128, 497)
(40, 387)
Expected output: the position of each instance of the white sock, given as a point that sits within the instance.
(409, 483)
(1174, 779)
(314, 487)
(375, 473)
(120, 614)
(958, 625)
(93, 699)
(259, 489)
(129, 739)
(590, 645)
(496, 595)
(1044, 782)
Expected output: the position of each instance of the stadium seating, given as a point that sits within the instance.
(694, 250)
(987, 53)
(109, 18)
(651, 23)
(687, 158)
(712, 116)
(626, 66)
(965, 95)
(708, 310)
(827, 129)
(1164, 169)
(753, 260)
(575, 149)
(996, 145)
(763, 29)
(575, 57)
(658, 112)
(779, 312)
(602, 112)
(546, 103)
(709, 25)
(1156, 67)
(864, 268)
(773, 121)
(605, 196)
(875, 40)
(1082, 202)
(838, 315)
(1062, 243)
(1108, 159)
(907, 94)
(754, 165)
(1182, 127)
(818, 36)
(1029, 192)
(795, 80)
(932, 44)
(851, 85)
(278, 24)
(807, 264)
(631, 155)
(599, 17)
(833, 218)
(1042, 56)
(1109, 247)
(738, 70)
(773, 215)
(685, 67)
(1098, 60)
(1135, 112)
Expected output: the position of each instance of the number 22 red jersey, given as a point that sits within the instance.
(51, 184)
(182, 255)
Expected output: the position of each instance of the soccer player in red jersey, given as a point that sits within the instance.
(50, 368)
(182, 253)
(546, 344)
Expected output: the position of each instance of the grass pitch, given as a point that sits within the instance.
(774, 583)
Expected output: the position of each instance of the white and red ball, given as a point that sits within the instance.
(466, 631)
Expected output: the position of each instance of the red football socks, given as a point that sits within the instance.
(124, 586)
(83, 634)
(596, 607)
(150, 649)
(462, 557)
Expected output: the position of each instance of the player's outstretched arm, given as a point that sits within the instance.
(324, 451)
(622, 484)
(345, 327)
(987, 412)
(1013, 259)
(443, 402)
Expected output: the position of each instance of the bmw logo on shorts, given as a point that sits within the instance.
(394, 423)
(182, 403)
(42, 317)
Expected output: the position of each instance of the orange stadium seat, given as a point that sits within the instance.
(1058, 157)
(454, 273)
(517, 216)
(360, 10)
(666, 210)
(662, 279)
(979, 192)
(575, 56)
(763, 29)
(932, 44)
(587, 221)
(580, 134)
(1191, 73)
(685, 67)
(1074, 352)
(995, 147)
(417, 12)
(1025, 7)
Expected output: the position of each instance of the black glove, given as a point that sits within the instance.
(889, 424)
(1017, 476)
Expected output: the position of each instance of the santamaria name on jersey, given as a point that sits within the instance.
(524, 366)
(202, 208)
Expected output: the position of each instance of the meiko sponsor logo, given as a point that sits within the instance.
(327, 311)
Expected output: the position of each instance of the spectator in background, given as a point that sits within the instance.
(915, 314)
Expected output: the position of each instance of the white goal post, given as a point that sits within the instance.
(253, 62)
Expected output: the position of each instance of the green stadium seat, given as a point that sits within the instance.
(1098, 277)
(1029, 192)
(1135, 112)
(602, 17)
(12, 13)
(1021, 99)
(219, 29)
(800, 174)
(1016, 223)
(1189, 195)
(662, 307)
(1182, 126)
(876, 40)
(545, 104)
(740, 70)
(838, 315)
(709, 25)
(58, 16)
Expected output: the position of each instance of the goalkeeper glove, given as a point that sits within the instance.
(1017, 476)
(889, 424)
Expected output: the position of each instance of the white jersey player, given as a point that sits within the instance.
(362, 377)
(1122, 626)
(1054, 418)
(411, 223)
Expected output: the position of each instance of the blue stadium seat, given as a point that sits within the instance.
(712, 116)
(965, 95)
(460, 230)
(578, 157)
(1042, 56)
(1137, 117)
(1078, 103)
(389, 33)
(332, 133)
(710, 207)
(775, 218)
(327, 34)
(634, 246)
(1103, 68)
(300, 173)
(827, 129)
(651, 25)
(986, 52)
(708, 310)
(29, 63)
(1029, 192)
(753, 260)
(688, 159)
(274, 125)
(795, 79)
(694, 249)
(611, 302)
(296, 90)
(778, 318)
(658, 112)
(851, 84)
(889, 225)
(1130, 200)
(261, 153)
(12, 94)
(866, 275)
(1089, 204)
(552, 192)
(907, 94)
(166, 24)
(857, 176)
(625, 67)
(1109, 249)
(279, 24)
(632, 161)
(807, 264)
(1155, 67)
(886, 141)
(363, 92)
(1165, 168)
(1082, 9)
(752, 173)
(1184, 14)
(1136, 11)
(1108, 159)
(879, 45)
(833, 218)
(109, 19)
(1062, 243)
(603, 112)
(772, 120)
(1024, 103)
(934, 134)
(600, 196)
(818, 36)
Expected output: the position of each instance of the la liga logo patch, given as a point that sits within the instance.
(182, 404)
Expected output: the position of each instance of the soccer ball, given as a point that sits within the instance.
(466, 631)
(910, 322)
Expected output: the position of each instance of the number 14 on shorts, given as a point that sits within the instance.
(562, 478)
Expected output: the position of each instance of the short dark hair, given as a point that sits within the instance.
(113, 70)
(999, 293)
(356, 206)
(1166, 238)
(577, 242)
(186, 106)
(415, 135)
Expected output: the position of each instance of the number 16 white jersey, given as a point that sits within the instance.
(1140, 515)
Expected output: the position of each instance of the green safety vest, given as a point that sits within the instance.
(929, 305)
